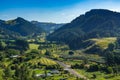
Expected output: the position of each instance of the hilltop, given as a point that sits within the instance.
(96, 23)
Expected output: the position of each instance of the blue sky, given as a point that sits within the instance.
(58, 11)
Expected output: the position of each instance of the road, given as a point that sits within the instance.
(68, 68)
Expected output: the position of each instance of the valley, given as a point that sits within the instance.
(88, 48)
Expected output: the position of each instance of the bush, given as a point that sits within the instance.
(109, 70)
(71, 53)
(12, 52)
(77, 66)
(94, 76)
(93, 67)
(22, 44)
(48, 53)
(94, 49)
(52, 67)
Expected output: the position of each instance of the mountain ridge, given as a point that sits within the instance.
(48, 26)
(21, 26)
(93, 24)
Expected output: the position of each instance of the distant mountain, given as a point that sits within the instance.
(48, 27)
(20, 26)
(93, 24)
(7, 34)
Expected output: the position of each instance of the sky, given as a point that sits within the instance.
(56, 11)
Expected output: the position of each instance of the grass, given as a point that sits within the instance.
(39, 71)
(43, 61)
(33, 46)
(104, 42)
(99, 75)
(58, 77)
(46, 61)
(31, 40)
(55, 55)
(73, 62)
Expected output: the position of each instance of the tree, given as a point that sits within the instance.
(2, 45)
(45, 72)
(13, 52)
(22, 73)
(95, 49)
(93, 67)
(7, 73)
(109, 70)
(85, 60)
(17, 73)
(2, 56)
(111, 47)
(115, 70)
(48, 53)
(71, 53)
(94, 76)
(22, 44)
(109, 57)
(118, 42)
(33, 75)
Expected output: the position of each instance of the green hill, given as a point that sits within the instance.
(95, 44)
(48, 27)
(104, 42)
(20, 26)
(96, 23)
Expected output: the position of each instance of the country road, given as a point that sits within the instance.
(67, 67)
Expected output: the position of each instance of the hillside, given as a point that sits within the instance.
(104, 42)
(7, 34)
(96, 23)
(48, 27)
(95, 44)
(20, 26)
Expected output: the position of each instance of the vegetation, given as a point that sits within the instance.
(97, 23)
(98, 44)
(90, 49)
(20, 26)
(104, 42)
(48, 27)
(33, 46)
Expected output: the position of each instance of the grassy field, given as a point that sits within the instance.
(72, 62)
(33, 46)
(39, 71)
(99, 75)
(46, 61)
(104, 42)
(43, 61)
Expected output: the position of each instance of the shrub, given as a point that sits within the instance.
(109, 70)
(93, 67)
(71, 53)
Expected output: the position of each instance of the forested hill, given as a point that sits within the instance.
(48, 27)
(93, 24)
(20, 26)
